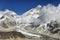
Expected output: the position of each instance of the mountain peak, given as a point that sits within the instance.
(9, 12)
(38, 7)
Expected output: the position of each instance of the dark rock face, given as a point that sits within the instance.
(2, 17)
(53, 27)
(4, 25)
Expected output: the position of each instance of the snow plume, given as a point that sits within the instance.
(42, 20)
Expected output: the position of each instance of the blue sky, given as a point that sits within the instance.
(21, 6)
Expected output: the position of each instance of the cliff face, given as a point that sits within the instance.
(40, 23)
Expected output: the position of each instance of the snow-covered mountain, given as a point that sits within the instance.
(32, 14)
(37, 22)
(7, 21)
(42, 20)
